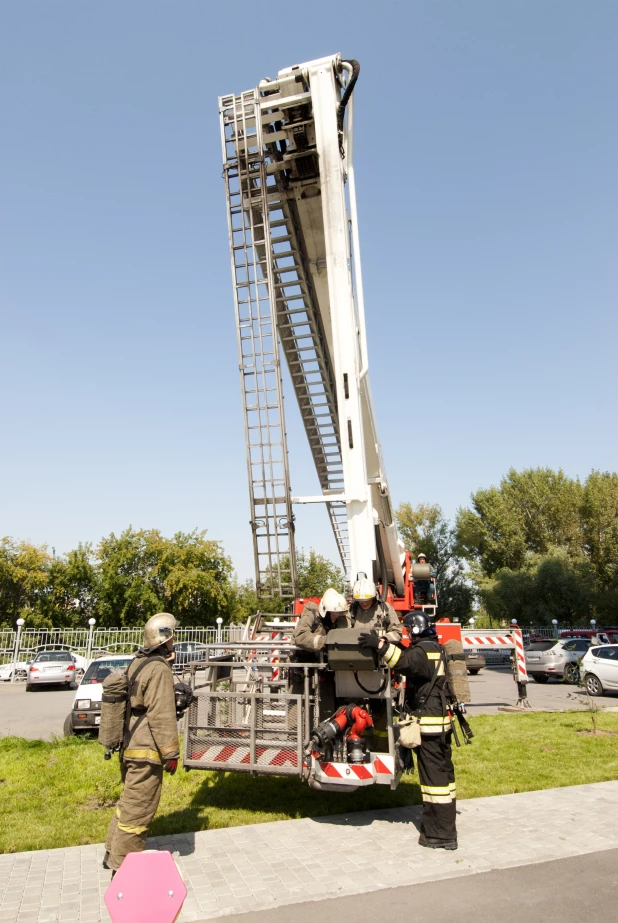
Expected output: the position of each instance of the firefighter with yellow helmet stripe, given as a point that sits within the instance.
(150, 744)
(423, 665)
(369, 612)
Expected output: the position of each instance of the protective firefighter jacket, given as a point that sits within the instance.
(381, 617)
(152, 736)
(419, 664)
(310, 631)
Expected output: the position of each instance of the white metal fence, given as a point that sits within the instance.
(19, 646)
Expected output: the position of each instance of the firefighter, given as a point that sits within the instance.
(316, 621)
(425, 590)
(310, 635)
(423, 666)
(369, 612)
(150, 745)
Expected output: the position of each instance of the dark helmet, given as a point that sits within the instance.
(419, 626)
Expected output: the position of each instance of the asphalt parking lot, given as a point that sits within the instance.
(41, 714)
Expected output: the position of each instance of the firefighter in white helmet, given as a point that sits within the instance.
(309, 635)
(150, 744)
(316, 621)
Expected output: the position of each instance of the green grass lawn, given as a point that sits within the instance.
(62, 793)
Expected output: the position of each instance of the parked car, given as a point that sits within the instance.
(599, 666)
(187, 652)
(474, 662)
(599, 635)
(80, 662)
(86, 712)
(21, 671)
(51, 667)
(559, 658)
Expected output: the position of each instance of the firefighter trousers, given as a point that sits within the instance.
(437, 778)
(136, 808)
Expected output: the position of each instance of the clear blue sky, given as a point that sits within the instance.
(486, 153)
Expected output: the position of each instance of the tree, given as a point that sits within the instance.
(73, 589)
(549, 587)
(532, 512)
(316, 574)
(24, 580)
(424, 528)
(599, 516)
(142, 572)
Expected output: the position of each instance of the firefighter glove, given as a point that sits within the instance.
(370, 641)
(170, 766)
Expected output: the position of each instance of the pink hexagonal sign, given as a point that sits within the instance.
(147, 888)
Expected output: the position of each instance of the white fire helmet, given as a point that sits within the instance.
(332, 601)
(421, 555)
(364, 589)
(158, 629)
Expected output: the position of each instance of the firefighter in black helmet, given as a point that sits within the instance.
(423, 665)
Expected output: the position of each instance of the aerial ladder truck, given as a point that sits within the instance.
(295, 259)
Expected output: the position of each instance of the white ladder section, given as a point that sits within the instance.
(297, 287)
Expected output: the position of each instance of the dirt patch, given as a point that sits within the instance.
(97, 804)
(588, 732)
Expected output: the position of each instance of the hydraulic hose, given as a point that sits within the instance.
(344, 100)
(383, 571)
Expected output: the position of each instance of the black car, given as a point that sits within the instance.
(474, 662)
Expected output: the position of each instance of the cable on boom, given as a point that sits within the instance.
(344, 100)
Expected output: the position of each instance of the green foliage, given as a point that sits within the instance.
(548, 587)
(316, 574)
(543, 545)
(532, 512)
(599, 519)
(121, 582)
(424, 528)
(24, 580)
(142, 572)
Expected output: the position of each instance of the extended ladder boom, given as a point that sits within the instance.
(289, 179)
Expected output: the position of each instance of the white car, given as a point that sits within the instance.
(599, 667)
(21, 671)
(86, 712)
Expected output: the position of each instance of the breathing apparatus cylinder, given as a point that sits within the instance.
(456, 672)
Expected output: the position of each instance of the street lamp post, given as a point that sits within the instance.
(91, 624)
(555, 624)
(593, 623)
(219, 632)
(20, 625)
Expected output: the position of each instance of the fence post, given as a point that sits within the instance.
(20, 623)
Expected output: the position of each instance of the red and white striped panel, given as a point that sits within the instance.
(275, 655)
(352, 774)
(480, 640)
(379, 771)
(384, 767)
(502, 640)
(230, 756)
(520, 657)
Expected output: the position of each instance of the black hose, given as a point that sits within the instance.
(372, 691)
(344, 100)
(383, 573)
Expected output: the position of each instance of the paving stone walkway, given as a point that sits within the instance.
(240, 869)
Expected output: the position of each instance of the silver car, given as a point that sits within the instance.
(51, 667)
(559, 658)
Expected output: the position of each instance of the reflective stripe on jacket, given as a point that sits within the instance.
(152, 736)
